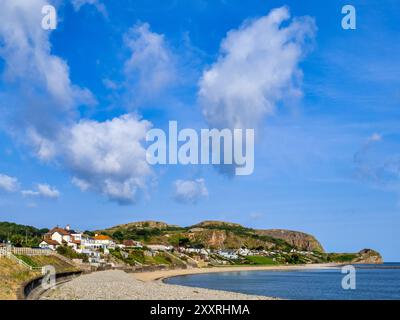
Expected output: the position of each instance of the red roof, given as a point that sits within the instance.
(59, 230)
(52, 242)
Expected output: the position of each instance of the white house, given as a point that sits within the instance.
(59, 236)
(104, 240)
(49, 244)
(97, 242)
(244, 252)
(228, 254)
(159, 247)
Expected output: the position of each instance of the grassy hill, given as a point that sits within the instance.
(12, 276)
(211, 234)
(227, 235)
(41, 261)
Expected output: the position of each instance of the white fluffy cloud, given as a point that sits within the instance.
(42, 190)
(7, 183)
(40, 105)
(96, 3)
(190, 191)
(257, 67)
(26, 50)
(151, 67)
(37, 94)
(109, 157)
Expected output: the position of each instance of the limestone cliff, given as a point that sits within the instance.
(300, 240)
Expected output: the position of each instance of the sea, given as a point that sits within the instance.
(372, 282)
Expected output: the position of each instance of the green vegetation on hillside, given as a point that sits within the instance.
(144, 234)
(69, 253)
(20, 235)
(132, 256)
(261, 260)
(234, 228)
(41, 261)
(341, 257)
(202, 235)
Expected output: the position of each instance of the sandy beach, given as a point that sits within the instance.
(163, 274)
(118, 285)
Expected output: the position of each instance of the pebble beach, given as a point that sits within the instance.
(118, 285)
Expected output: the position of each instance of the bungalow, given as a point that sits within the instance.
(49, 244)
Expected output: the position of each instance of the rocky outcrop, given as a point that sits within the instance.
(368, 256)
(300, 240)
(227, 235)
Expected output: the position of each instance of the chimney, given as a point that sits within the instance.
(68, 227)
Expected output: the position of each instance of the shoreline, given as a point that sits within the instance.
(161, 275)
(119, 285)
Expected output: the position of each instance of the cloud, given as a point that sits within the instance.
(38, 97)
(43, 191)
(375, 137)
(109, 84)
(96, 3)
(257, 67)
(378, 162)
(40, 104)
(256, 216)
(151, 67)
(190, 191)
(108, 157)
(8, 184)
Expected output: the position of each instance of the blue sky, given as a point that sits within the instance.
(75, 102)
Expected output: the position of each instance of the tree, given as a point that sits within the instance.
(118, 235)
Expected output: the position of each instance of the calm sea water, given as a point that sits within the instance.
(371, 283)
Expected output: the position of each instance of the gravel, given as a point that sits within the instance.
(118, 285)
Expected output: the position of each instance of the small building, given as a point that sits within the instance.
(159, 247)
(49, 244)
(228, 254)
(132, 244)
(103, 240)
(244, 252)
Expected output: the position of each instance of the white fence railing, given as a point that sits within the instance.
(31, 252)
(6, 251)
(12, 253)
(3, 252)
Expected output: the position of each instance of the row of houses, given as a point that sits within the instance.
(233, 254)
(95, 246)
(78, 241)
